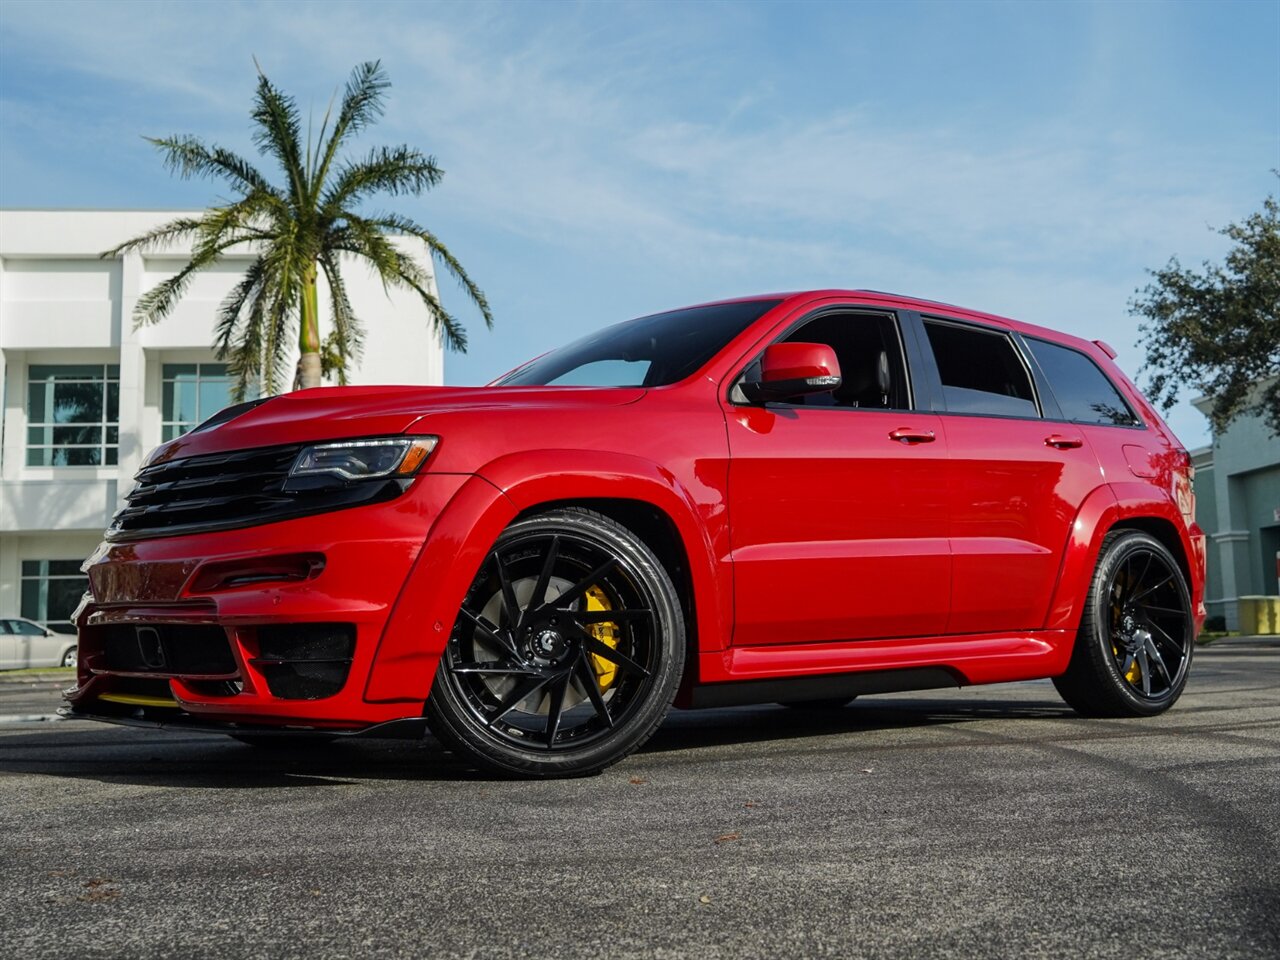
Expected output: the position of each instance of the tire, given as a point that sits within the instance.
(69, 659)
(1133, 651)
(559, 688)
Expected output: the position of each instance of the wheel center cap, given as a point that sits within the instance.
(1128, 624)
(548, 643)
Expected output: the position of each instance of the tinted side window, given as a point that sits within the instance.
(981, 372)
(1082, 390)
(869, 352)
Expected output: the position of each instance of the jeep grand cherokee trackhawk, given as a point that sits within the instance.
(790, 498)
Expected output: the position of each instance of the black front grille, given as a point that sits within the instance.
(216, 489)
(239, 488)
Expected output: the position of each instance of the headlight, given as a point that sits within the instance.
(328, 463)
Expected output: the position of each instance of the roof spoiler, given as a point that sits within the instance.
(1105, 348)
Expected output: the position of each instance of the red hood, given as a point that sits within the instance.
(334, 413)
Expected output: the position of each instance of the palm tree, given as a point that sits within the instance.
(299, 231)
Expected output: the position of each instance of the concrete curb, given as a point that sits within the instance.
(53, 676)
(1249, 641)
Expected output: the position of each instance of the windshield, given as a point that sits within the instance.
(652, 351)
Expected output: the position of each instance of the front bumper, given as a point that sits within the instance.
(171, 635)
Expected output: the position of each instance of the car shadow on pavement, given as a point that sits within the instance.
(120, 755)
(147, 758)
(688, 729)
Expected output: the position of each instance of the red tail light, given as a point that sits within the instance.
(1184, 491)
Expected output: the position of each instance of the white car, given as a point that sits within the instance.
(24, 643)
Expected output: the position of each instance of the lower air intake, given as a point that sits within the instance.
(305, 661)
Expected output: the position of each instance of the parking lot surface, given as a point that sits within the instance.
(982, 822)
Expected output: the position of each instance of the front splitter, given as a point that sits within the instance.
(406, 728)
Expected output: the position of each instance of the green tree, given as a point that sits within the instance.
(299, 230)
(1218, 330)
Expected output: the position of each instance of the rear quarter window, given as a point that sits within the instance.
(1084, 393)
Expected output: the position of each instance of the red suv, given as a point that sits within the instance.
(793, 498)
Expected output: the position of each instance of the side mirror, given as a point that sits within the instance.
(794, 370)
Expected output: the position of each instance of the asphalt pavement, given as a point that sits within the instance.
(984, 822)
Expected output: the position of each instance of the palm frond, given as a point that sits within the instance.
(348, 331)
(230, 332)
(278, 132)
(394, 170)
(233, 304)
(188, 157)
(445, 324)
(360, 237)
(397, 269)
(361, 105)
(397, 224)
(175, 230)
(281, 313)
(154, 305)
(240, 342)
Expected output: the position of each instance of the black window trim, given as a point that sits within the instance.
(899, 319)
(1034, 375)
(1138, 423)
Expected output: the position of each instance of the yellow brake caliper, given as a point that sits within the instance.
(1134, 673)
(606, 633)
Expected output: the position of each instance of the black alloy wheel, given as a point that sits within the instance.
(566, 653)
(1134, 648)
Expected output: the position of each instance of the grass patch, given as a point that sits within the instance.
(1207, 637)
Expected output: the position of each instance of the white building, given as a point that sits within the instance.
(86, 395)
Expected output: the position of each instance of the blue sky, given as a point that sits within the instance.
(605, 160)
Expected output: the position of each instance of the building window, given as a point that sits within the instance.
(192, 393)
(73, 415)
(51, 589)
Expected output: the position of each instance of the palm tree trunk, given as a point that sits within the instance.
(309, 332)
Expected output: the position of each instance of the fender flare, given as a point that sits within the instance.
(537, 477)
(1107, 506)
(404, 665)
(423, 617)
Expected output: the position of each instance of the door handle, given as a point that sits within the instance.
(1063, 443)
(907, 435)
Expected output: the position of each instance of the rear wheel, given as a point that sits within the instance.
(69, 658)
(566, 653)
(1136, 638)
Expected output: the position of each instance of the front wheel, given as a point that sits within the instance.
(566, 653)
(1134, 646)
